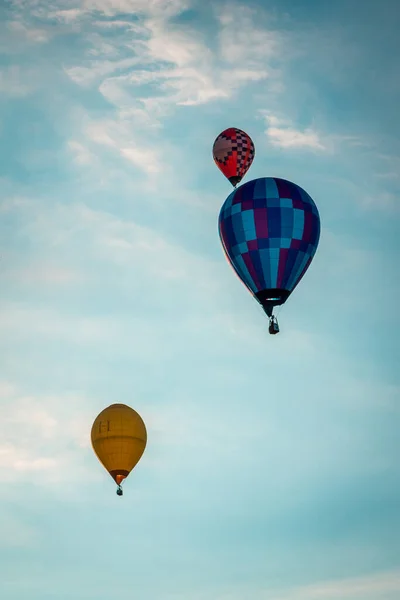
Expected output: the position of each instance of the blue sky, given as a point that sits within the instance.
(271, 471)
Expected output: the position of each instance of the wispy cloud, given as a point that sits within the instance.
(115, 240)
(81, 154)
(33, 34)
(281, 133)
(388, 175)
(384, 201)
(154, 66)
(176, 60)
(43, 274)
(155, 8)
(117, 136)
(382, 586)
(67, 15)
(41, 436)
(238, 25)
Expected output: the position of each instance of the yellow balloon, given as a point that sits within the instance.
(119, 439)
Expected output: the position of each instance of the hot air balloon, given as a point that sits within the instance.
(269, 229)
(233, 153)
(119, 438)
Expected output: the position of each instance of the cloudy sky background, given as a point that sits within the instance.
(271, 471)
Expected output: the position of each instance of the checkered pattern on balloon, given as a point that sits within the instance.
(233, 154)
(269, 229)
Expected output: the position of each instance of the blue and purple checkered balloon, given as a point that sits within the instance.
(269, 229)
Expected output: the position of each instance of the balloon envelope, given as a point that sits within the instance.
(119, 438)
(233, 153)
(269, 229)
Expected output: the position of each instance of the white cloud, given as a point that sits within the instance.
(84, 245)
(41, 436)
(98, 69)
(68, 15)
(76, 232)
(175, 59)
(177, 46)
(145, 159)
(120, 137)
(181, 72)
(155, 65)
(62, 11)
(388, 175)
(383, 201)
(155, 8)
(14, 459)
(82, 154)
(117, 240)
(381, 586)
(292, 138)
(239, 24)
(369, 587)
(26, 322)
(44, 274)
(282, 134)
(33, 34)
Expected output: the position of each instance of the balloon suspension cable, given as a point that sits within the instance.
(119, 491)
